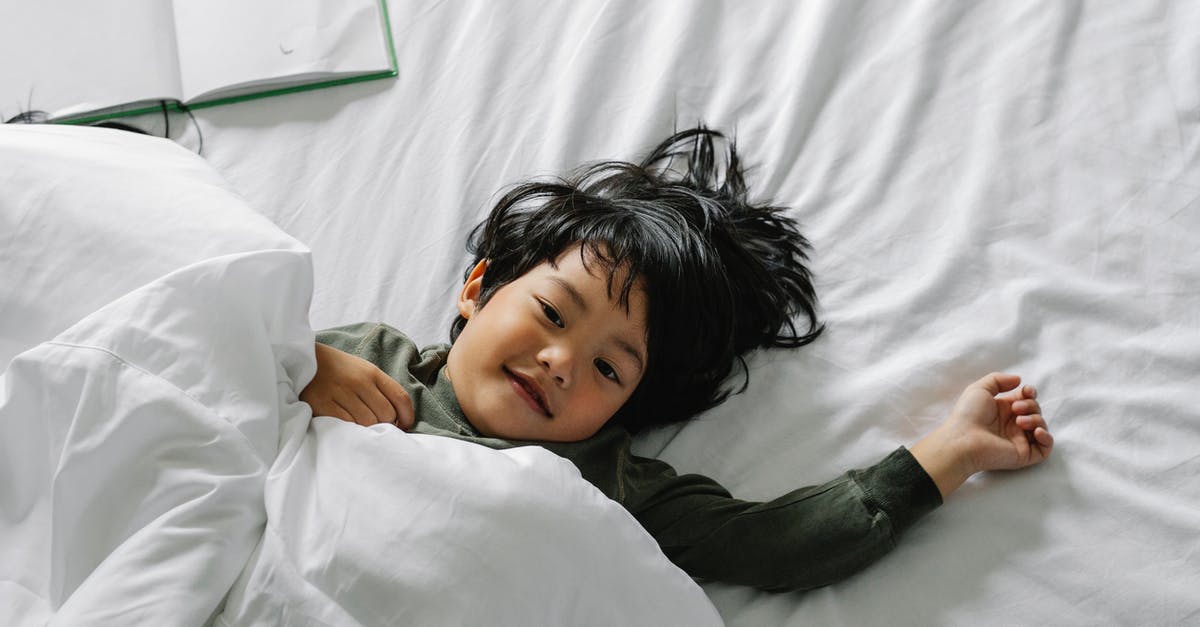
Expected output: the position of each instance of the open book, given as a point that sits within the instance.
(89, 60)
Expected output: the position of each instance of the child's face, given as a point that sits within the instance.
(550, 356)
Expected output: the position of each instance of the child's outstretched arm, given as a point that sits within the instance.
(818, 535)
(995, 425)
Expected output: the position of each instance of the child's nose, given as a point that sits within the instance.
(557, 361)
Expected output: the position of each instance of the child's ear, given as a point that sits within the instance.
(468, 299)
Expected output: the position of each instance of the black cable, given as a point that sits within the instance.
(199, 133)
(120, 126)
(29, 117)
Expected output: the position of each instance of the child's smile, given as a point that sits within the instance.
(527, 388)
(550, 356)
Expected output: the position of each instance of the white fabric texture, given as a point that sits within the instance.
(1004, 185)
(136, 445)
(70, 196)
(144, 450)
(374, 526)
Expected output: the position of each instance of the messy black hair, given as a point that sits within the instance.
(722, 276)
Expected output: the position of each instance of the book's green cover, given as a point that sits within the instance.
(175, 105)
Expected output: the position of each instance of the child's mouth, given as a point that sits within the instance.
(527, 390)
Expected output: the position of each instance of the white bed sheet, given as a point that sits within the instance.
(1007, 185)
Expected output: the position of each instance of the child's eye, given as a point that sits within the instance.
(607, 370)
(552, 315)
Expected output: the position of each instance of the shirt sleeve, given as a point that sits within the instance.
(805, 539)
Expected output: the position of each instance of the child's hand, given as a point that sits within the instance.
(355, 390)
(995, 425)
(1005, 431)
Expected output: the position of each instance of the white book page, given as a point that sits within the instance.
(68, 57)
(225, 45)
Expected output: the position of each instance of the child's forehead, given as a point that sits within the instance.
(581, 266)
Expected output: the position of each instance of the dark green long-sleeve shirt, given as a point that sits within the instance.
(806, 538)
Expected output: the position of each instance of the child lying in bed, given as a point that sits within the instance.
(625, 298)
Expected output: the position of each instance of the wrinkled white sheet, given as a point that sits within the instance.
(145, 449)
(993, 185)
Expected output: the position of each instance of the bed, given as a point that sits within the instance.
(988, 186)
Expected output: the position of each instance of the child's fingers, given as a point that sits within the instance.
(358, 410)
(998, 382)
(1018, 393)
(1031, 422)
(1036, 443)
(401, 403)
(1027, 406)
(333, 409)
(379, 405)
(1037, 433)
(1044, 438)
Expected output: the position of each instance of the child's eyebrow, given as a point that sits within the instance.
(571, 292)
(633, 352)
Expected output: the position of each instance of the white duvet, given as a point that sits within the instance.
(157, 468)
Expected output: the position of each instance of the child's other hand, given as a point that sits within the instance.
(355, 390)
(996, 424)
(1004, 431)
